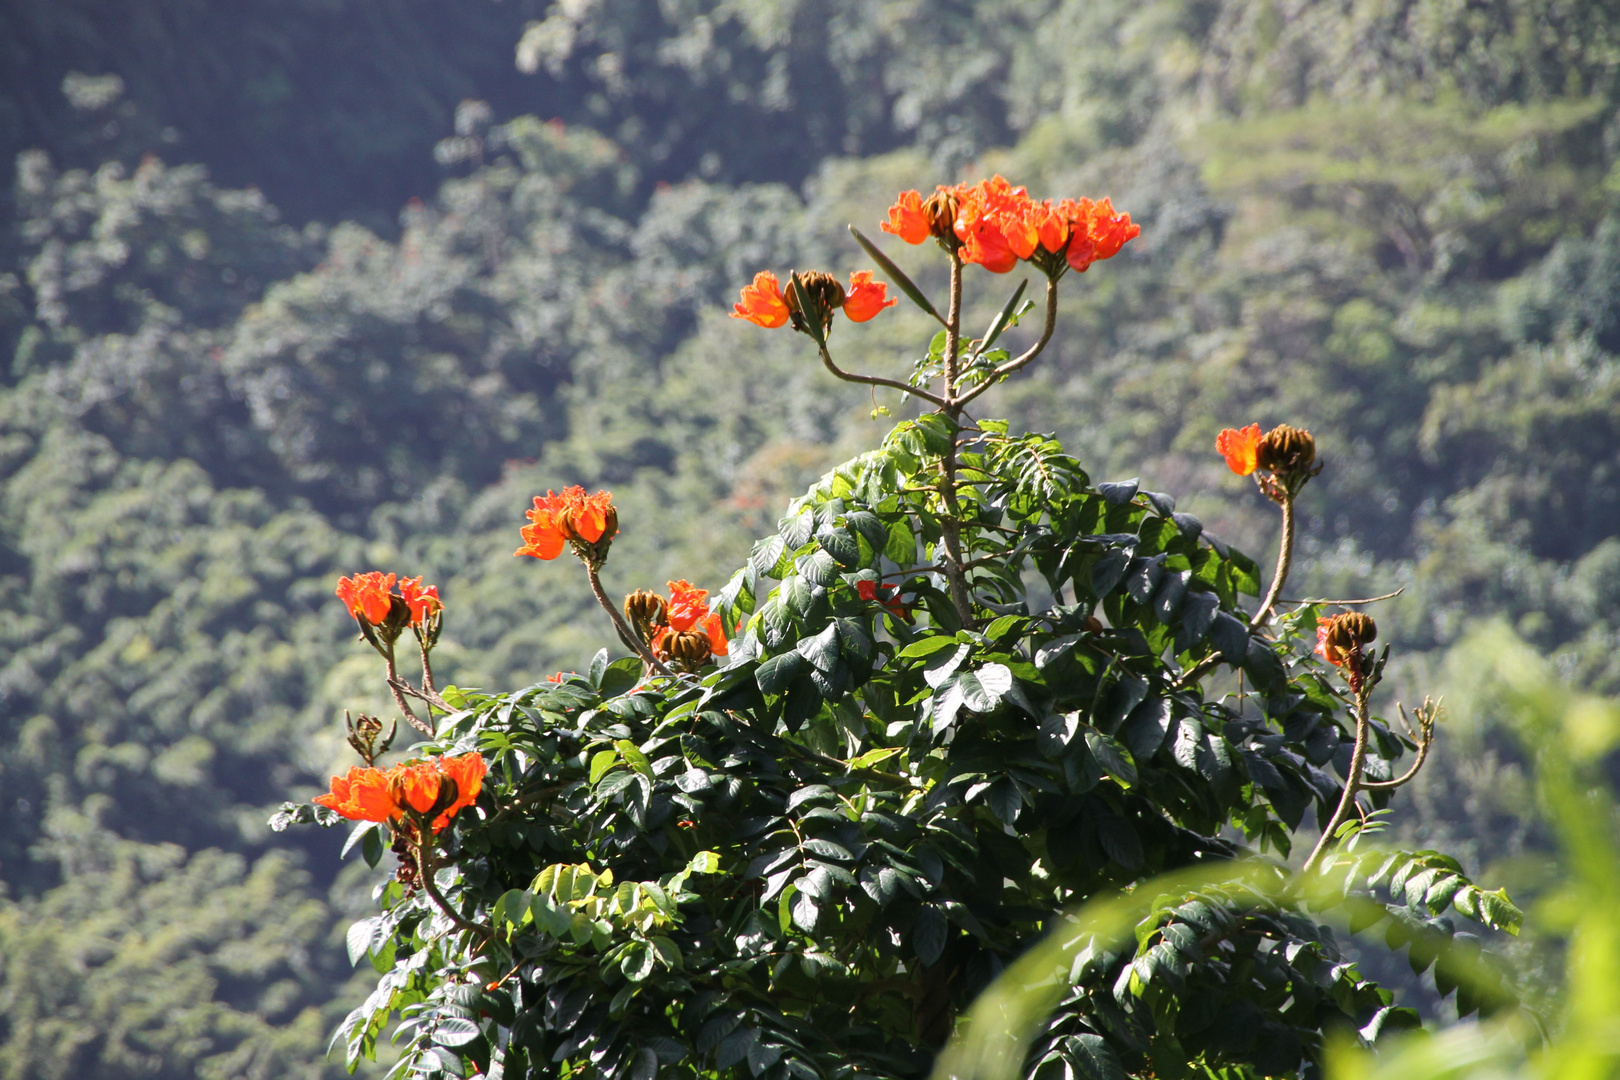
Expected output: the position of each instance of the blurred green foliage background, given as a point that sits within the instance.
(280, 300)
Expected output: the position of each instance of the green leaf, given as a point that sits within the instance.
(841, 545)
(768, 556)
(1007, 314)
(1005, 800)
(901, 546)
(928, 646)
(454, 1031)
(819, 568)
(1112, 757)
(601, 762)
(1093, 1058)
(821, 650)
(928, 936)
(1230, 636)
(634, 757)
(895, 274)
(874, 757)
(359, 939)
(775, 675)
(804, 912)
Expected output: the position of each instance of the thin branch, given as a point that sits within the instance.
(950, 523)
(1285, 558)
(394, 685)
(1353, 783)
(424, 871)
(1347, 603)
(875, 380)
(1002, 371)
(624, 629)
(429, 697)
(1426, 725)
(427, 666)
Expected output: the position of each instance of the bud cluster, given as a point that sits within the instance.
(681, 631)
(1281, 460)
(765, 303)
(1340, 640)
(365, 737)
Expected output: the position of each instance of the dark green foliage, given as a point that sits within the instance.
(807, 863)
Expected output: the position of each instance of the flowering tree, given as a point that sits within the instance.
(960, 690)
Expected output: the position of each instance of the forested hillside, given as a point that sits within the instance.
(236, 362)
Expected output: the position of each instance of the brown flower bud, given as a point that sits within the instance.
(645, 610)
(940, 208)
(826, 296)
(687, 650)
(1286, 451)
(1339, 639)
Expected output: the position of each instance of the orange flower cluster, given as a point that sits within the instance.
(995, 225)
(764, 305)
(370, 598)
(688, 613)
(588, 521)
(439, 787)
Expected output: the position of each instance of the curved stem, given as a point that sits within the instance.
(399, 698)
(1352, 785)
(1285, 558)
(953, 337)
(1426, 725)
(950, 522)
(427, 666)
(424, 873)
(1029, 354)
(623, 627)
(874, 380)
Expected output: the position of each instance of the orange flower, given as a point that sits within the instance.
(572, 516)
(360, 796)
(885, 595)
(687, 604)
(1240, 448)
(375, 795)
(993, 223)
(424, 603)
(467, 771)
(865, 298)
(689, 608)
(1099, 233)
(907, 219)
(762, 303)
(368, 596)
